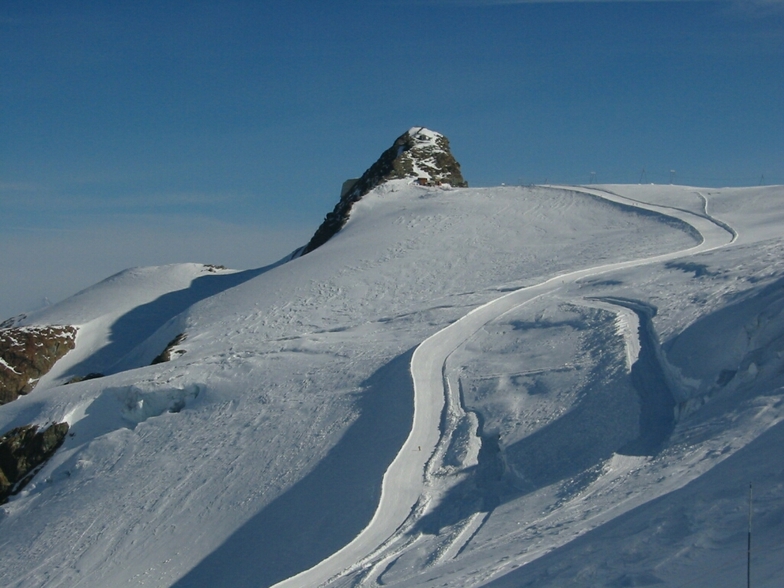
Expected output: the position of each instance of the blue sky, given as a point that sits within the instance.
(220, 132)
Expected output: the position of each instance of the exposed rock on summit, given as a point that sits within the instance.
(27, 353)
(419, 153)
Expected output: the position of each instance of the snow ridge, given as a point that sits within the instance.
(446, 394)
(412, 483)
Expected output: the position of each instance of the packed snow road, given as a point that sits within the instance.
(409, 486)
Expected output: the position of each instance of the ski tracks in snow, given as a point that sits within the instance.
(413, 482)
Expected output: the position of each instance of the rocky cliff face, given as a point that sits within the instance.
(22, 451)
(27, 353)
(419, 153)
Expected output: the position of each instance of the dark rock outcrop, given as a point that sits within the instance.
(419, 153)
(22, 451)
(166, 354)
(90, 376)
(27, 353)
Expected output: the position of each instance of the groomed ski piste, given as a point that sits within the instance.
(436, 394)
(465, 387)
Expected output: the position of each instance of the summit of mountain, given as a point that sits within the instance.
(419, 154)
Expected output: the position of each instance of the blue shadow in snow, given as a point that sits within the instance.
(671, 525)
(135, 326)
(327, 508)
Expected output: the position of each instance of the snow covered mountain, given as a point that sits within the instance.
(512, 386)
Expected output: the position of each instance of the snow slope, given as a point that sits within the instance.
(504, 386)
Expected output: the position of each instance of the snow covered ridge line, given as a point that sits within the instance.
(13, 321)
(419, 154)
(608, 194)
(171, 474)
(409, 487)
(127, 320)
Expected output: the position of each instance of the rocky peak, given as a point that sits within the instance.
(419, 154)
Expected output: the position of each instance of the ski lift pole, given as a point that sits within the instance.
(748, 548)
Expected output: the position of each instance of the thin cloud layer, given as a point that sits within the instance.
(41, 266)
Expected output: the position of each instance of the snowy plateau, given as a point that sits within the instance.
(506, 387)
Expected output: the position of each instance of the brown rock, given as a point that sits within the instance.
(22, 451)
(27, 353)
(166, 354)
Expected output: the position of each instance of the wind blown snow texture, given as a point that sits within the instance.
(464, 387)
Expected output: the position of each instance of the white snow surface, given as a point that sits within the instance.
(514, 386)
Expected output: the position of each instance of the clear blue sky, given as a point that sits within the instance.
(141, 133)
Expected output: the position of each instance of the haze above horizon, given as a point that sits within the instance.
(221, 132)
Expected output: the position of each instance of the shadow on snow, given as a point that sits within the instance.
(629, 414)
(665, 530)
(137, 325)
(327, 508)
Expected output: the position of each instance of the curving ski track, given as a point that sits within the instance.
(405, 490)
